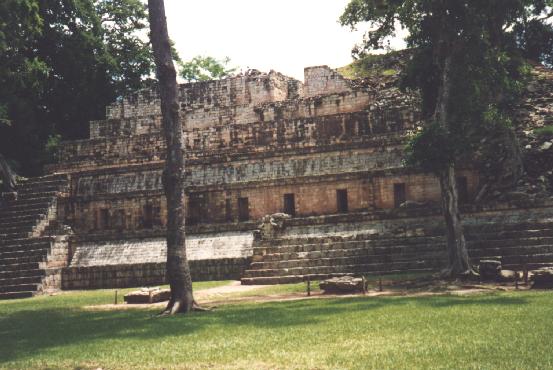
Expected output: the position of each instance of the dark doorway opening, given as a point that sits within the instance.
(399, 194)
(243, 209)
(228, 210)
(197, 208)
(148, 216)
(104, 222)
(342, 200)
(290, 204)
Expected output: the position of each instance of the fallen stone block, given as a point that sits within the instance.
(490, 269)
(343, 284)
(508, 276)
(543, 278)
(147, 295)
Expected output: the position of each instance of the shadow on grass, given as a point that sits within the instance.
(25, 332)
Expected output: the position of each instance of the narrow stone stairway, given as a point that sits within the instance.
(289, 260)
(33, 247)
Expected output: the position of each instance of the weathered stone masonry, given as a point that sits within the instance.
(256, 144)
(327, 151)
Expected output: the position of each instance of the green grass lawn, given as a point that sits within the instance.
(485, 331)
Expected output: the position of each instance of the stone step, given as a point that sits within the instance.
(517, 234)
(18, 218)
(25, 187)
(45, 179)
(24, 212)
(4, 230)
(4, 268)
(359, 249)
(37, 279)
(6, 238)
(522, 259)
(37, 194)
(346, 269)
(390, 242)
(28, 206)
(26, 243)
(22, 273)
(503, 243)
(491, 227)
(26, 252)
(17, 295)
(350, 260)
(19, 288)
(22, 259)
(299, 240)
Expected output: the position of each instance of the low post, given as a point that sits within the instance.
(525, 274)
(380, 283)
(364, 288)
(308, 286)
(115, 297)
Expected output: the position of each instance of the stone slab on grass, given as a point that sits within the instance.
(148, 295)
(543, 278)
(343, 284)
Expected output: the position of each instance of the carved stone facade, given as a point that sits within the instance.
(256, 144)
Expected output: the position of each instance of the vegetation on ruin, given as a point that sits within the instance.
(492, 330)
(375, 65)
(204, 68)
(468, 64)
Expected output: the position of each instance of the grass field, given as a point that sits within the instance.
(485, 331)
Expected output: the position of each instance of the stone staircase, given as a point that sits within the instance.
(289, 260)
(33, 247)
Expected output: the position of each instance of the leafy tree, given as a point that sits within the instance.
(468, 65)
(202, 68)
(65, 60)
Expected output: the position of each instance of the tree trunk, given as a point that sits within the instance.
(8, 177)
(458, 259)
(178, 271)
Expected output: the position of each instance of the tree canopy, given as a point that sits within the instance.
(61, 63)
(468, 63)
(203, 68)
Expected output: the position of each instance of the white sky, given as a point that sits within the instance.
(284, 35)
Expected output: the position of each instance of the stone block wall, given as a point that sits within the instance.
(131, 261)
(148, 274)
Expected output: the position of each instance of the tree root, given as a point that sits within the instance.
(176, 307)
(450, 274)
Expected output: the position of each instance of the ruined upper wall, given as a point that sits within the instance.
(321, 80)
(220, 102)
(250, 89)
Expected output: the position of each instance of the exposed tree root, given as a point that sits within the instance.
(450, 274)
(176, 307)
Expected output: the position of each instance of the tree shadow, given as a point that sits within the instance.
(23, 333)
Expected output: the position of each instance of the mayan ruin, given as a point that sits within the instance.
(327, 151)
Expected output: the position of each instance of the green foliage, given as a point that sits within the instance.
(425, 332)
(203, 68)
(432, 148)
(546, 131)
(61, 63)
(482, 41)
(52, 145)
(373, 65)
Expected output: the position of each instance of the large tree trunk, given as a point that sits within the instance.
(8, 177)
(178, 271)
(458, 258)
